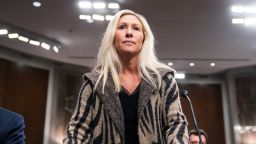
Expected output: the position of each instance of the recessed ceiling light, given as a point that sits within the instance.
(85, 5)
(33, 42)
(180, 76)
(109, 17)
(191, 64)
(13, 35)
(238, 21)
(113, 6)
(45, 46)
(170, 64)
(99, 5)
(85, 17)
(241, 9)
(98, 17)
(3, 31)
(237, 9)
(90, 20)
(55, 48)
(22, 38)
(212, 64)
(36, 4)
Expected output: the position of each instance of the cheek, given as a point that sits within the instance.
(141, 39)
(118, 34)
(116, 39)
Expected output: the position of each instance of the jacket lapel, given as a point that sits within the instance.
(111, 102)
(113, 105)
(146, 91)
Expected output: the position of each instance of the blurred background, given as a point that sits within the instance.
(46, 47)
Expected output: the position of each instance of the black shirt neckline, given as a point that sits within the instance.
(127, 92)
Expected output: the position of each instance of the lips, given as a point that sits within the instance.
(128, 41)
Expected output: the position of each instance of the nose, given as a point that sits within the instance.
(129, 32)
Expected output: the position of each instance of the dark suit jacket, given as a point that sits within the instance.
(11, 127)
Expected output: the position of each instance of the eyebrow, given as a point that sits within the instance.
(136, 24)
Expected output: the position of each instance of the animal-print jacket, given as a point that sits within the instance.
(98, 118)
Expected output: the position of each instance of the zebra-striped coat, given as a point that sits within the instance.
(98, 118)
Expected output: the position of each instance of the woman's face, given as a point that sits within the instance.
(129, 36)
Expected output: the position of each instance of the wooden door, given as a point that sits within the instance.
(207, 103)
(24, 90)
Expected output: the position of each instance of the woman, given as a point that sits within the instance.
(129, 97)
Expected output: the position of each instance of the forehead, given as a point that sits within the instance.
(196, 138)
(129, 18)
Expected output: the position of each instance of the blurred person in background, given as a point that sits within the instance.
(194, 138)
(11, 127)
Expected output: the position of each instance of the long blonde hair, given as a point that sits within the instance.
(108, 61)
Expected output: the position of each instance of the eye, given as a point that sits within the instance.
(136, 28)
(122, 27)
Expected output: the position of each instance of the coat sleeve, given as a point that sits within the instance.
(175, 123)
(13, 129)
(18, 126)
(79, 128)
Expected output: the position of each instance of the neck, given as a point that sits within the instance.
(129, 65)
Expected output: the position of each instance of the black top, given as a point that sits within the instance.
(130, 111)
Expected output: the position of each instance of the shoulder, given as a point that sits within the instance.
(168, 77)
(91, 76)
(6, 115)
(166, 72)
(10, 123)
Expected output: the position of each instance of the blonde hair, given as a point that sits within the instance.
(108, 61)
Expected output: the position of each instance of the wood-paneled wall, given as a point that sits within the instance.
(246, 94)
(207, 103)
(23, 89)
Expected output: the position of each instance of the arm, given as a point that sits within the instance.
(16, 130)
(175, 123)
(78, 129)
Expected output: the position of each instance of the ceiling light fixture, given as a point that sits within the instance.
(33, 42)
(37, 4)
(99, 5)
(212, 64)
(109, 17)
(3, 31)
(244, 12)
(113, 6)
(90, 20)
(180, 76)
(98, 17)
(105, 10)
(45, 46)
(238, 21)
(13, 35)
(28, 36)
(192, 64)
(237, 9)
(241, 9)
(85, 5)
(170, 64)
(56, 49)
(85, 17)
(22, 38)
